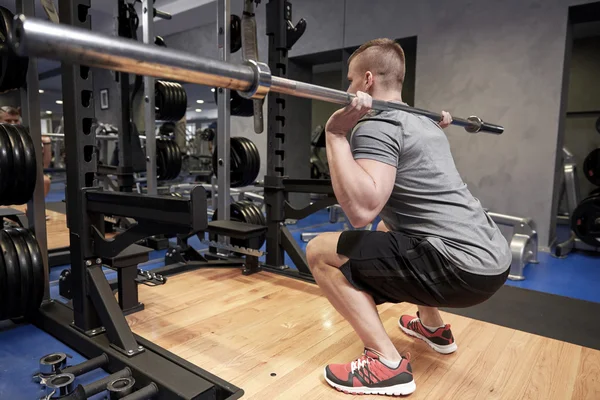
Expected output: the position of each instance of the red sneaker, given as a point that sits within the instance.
(368, 375)
(441, 340)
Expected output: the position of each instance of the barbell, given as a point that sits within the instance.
(39, 38)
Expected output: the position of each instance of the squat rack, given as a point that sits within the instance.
(96, 323)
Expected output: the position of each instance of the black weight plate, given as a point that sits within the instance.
(169, 100)
(5, 28)
(254, 217)
(178, 101)
(237, 163)
(25, 268)
(239, 170)
(160, 99)
(164, 154)
(160, 159)
(14, 68)
(585, 221)
(172, 159)
(30, 162)
(3, 290)
(247, 159)
(169, 160)
(18, 165)
(13, 276)
(252, 161)
(255, 164)
(37, 271)
(6, 168)
(184, 102)
(177, 159)
(261, 220)
(591, 167)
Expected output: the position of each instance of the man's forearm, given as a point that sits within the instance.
(353, 186)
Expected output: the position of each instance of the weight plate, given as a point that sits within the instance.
(161, 166)
(254, 168)
(13, 68)
(251, 212)
(3, 290)
(591, 167)
(6, 168)
(19, 185)
(238, 169)
(585, 221)
(177, 158)
(30, 162)
(13, 276)
(246, 159)
(24, 262)
(172, 161)
(256, 163)
(238, 163)
(37, 268)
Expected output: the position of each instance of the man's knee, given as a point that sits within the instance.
(313, 251)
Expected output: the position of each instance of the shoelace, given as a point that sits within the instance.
(361, 367)
(412, 324)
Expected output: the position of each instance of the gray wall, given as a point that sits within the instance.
(500, 60)
(580, 133)
(321, 110)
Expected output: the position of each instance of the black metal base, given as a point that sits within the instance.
(59, 257)
(175, 377)
(180, 267)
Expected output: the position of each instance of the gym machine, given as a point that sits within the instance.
(96, 324)
(583, 216)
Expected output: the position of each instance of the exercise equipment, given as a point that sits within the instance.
(244, 161)
(168, 159)
(591, 167)
(249, 213)
(207, 134)
(239, 106)
(171, 101)
(78, 46)
(56, 363)
(17, 165)
(59, 386)
(13, 72)
(585, 221)
(120, 388)
(21, 274)
(235, 32)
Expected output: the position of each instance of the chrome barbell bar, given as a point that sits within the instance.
(38, 38)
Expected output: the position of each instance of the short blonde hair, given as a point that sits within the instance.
(384, 58)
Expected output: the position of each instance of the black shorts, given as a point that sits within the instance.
(395, 268)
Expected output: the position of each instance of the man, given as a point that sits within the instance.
(11, 115)
(435, 246)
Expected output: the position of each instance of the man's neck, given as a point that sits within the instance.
(388, 96)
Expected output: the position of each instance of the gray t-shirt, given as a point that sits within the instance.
(430, 199)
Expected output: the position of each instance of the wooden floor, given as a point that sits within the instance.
(273, 335)
(56, 228)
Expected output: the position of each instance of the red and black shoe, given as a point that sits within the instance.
(441, 340)
(368, 375)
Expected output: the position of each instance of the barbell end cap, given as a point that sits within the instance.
(475, 124)
(262, 81)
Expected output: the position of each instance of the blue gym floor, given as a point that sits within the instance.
(21, 346)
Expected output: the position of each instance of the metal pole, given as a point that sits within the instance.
(224, 120)
(30, 106)
(43, 39)
(149, 111)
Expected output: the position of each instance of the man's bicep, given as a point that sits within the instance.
(384, 178)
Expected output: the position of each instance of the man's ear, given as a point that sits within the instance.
(368, 80)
